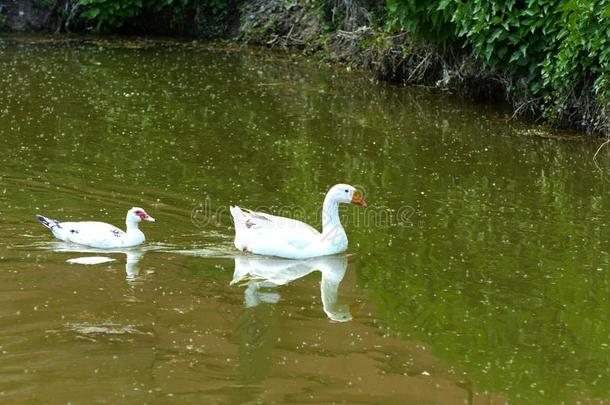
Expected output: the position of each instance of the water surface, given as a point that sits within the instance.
(479, 272)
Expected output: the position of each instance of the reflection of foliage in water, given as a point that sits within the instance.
(258, 330)
(499, 268)
(506, 278)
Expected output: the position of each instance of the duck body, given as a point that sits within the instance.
(100, 234)
(265, 234)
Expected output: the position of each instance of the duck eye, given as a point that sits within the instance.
(347, 191)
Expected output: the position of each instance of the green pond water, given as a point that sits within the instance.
(478, 273)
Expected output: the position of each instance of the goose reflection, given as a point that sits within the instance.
(133, 256)
(259, 272)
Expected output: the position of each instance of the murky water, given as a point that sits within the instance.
(479, 272)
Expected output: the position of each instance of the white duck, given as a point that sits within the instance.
(100, 234)
(265, 234)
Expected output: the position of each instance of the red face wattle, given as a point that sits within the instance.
(144, 216)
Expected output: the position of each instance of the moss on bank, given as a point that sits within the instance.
(551, 61)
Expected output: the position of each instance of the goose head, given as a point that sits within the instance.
(136, 215)
(344, 193)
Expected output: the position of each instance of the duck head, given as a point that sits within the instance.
(136, 215)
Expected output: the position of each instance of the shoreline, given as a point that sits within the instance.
(354, 40)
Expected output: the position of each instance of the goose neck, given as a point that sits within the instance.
(330, 216)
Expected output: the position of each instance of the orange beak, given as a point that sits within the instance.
(357, 199)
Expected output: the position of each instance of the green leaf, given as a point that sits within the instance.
(515, 57)
(91, 13)
(502, 52)
(536, 87)
(442, 5)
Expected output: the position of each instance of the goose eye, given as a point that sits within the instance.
(347, 191)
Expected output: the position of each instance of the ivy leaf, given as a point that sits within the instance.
(91, 13)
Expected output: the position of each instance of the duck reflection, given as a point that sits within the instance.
(133, 257)
(259, 272)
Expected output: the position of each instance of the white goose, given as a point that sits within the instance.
(265, 234)
(100, 234)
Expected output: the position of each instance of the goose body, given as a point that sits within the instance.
(265, 234)
(100, 234)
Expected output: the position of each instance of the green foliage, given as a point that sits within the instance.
(583, 51)
(107, 15)
(555, 48)
(506, 34)
(289, 4)
(218, 8)
(429, 19)
(46, 3)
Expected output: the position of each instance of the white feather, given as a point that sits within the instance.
(100, 234)
(265, 234)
